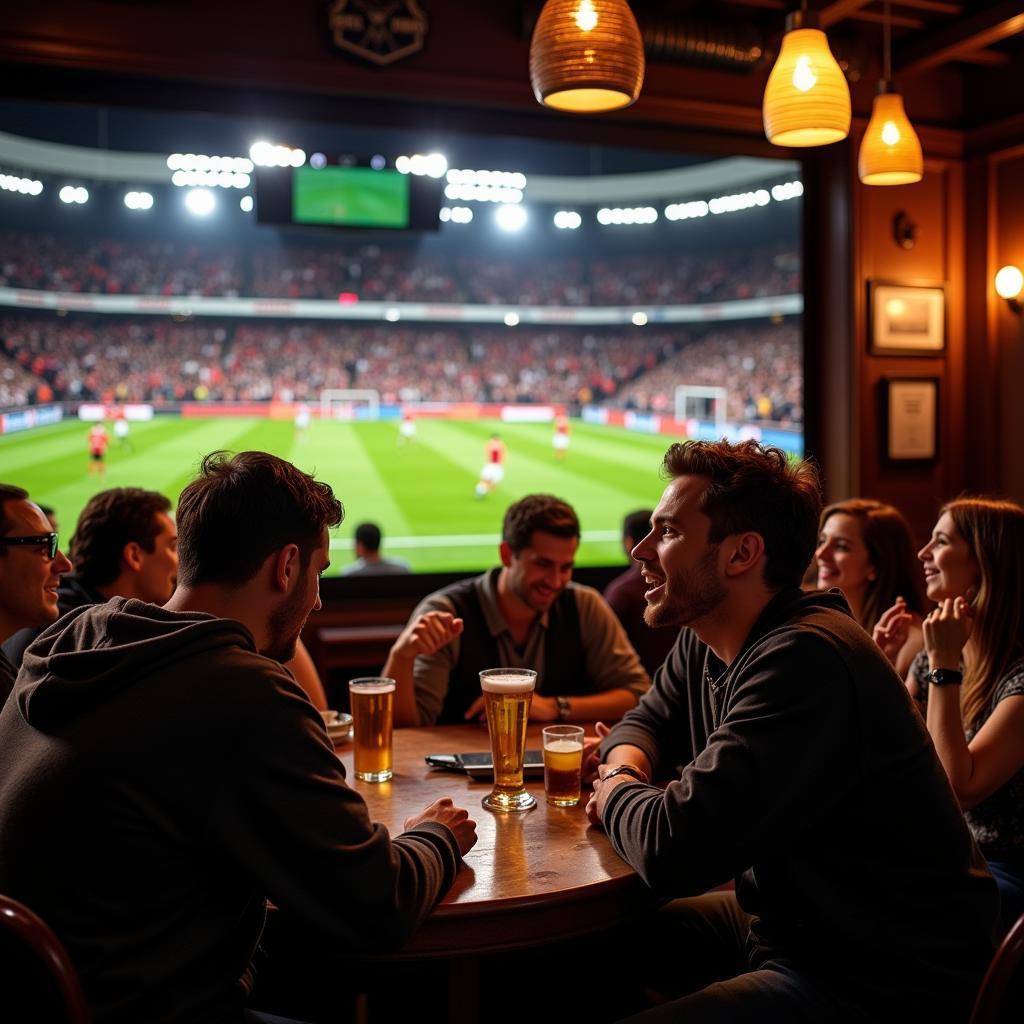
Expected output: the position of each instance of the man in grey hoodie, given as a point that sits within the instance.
(192, 776)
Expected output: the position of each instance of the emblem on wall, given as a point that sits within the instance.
(381, 31)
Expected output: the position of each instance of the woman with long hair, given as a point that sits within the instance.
(865, 549)
(971, 673)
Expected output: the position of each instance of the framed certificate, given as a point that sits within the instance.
(911, 419)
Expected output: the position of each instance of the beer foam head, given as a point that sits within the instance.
(372, 685)
(563, 746)
(507, 682)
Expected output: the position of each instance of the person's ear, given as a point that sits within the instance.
(747, 551)
(285, 567)
(506, 554)
(132, 556)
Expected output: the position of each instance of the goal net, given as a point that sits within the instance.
(699, 402)
(349, 404)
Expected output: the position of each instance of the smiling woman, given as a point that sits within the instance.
(971, 675)
(865, 549)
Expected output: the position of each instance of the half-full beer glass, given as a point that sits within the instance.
(563, 762)
(372, 700)
(507, 695)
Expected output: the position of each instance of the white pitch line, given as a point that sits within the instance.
(460, 540)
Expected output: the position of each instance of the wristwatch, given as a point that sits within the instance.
(627, 769)
(564, 710)
(945, 677)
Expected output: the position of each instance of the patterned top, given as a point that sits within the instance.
(997, 823)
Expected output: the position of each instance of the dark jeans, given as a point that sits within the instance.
(1010, 880)
(699, 948)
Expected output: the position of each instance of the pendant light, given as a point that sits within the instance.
(890, 152)
(586, 56)
(807, 100)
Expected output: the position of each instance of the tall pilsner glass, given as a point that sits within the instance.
(372, 700)
(507, 696)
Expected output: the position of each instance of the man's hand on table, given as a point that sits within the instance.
(603, 789)
(456, 819)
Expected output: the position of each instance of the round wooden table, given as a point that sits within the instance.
(534, 876)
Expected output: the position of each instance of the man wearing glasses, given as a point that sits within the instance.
(30, 569)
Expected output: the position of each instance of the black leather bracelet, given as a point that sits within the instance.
(627, 769)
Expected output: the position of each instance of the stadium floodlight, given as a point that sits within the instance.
(24, 186)
(510, 218)
(740, 201)
(392, 315)
(200, 202)
(627, 215)
(378, 162)
(318, 161)
(511, 319)
(456, 214)
(431, 165)
(639, 318)
(787, 190)
(246, 204)
(266, 154)
(568, 220)
(684, 211)
(74, 194)
(403, 165)
(138, 200)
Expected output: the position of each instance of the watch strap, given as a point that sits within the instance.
(626, 769)
(945, 677)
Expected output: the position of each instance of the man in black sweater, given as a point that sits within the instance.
(801, 770)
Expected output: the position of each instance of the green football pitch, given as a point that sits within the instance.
(421, 494)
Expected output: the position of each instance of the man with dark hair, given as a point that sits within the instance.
(192, 775)
(31, 565)
(625, 597)
(801, 770)
(526, 614)
(125, 545)
(369, 561)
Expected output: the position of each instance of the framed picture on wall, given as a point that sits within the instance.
(906, 319)
(911, 418)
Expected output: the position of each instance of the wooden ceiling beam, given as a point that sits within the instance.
(899, 20)
(935, 6)
(966, 36)
(838, 9)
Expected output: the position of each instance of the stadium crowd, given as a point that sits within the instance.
(760, 367)
(390, 274)
(156, 360)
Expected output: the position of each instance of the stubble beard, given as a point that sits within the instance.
(688, 599)
(285, 626)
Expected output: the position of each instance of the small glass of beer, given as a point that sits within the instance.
(507, 696)
(563, 763)
(372, 700)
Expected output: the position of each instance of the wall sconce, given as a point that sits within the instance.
(1009, 284)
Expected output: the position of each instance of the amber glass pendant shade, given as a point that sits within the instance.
(807, 100)
(586, 56)
(890, 152)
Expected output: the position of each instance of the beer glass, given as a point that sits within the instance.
(507, 696)
(372, 700)
(563, 763)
